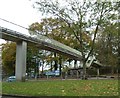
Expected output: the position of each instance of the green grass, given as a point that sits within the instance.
(62, 88)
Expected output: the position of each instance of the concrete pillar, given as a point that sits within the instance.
(98, 72)
(20, 70)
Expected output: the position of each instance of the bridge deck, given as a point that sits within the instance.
(40, 41)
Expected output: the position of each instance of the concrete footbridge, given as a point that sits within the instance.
(39, 41)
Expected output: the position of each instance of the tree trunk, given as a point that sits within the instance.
(56, 62)
(84, 71)
(118, 65)
(42, 69)
(51, 65)
(60, 62)
(69, 62)
(75, 63)
(56, 65)
(112, 70)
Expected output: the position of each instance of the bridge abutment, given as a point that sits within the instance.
(20, 71)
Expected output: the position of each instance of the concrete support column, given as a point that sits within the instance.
(98, 73)
(20, 70)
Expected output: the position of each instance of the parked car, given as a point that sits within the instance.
(52, 73)
(11, 79)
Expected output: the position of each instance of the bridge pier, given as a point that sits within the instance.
(20, 69)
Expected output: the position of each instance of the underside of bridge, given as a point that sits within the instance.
(40, 41)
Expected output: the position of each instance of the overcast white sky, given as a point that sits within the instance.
(20, 12)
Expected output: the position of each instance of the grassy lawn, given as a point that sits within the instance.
(62, 88)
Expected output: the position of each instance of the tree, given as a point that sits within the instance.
(118, 65)
(80, 17)
(31, 61)
(107, 45)
(35, 59)
(8, 58)
(108, 40)
(52, 28)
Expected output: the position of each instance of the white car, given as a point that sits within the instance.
(11, 79)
